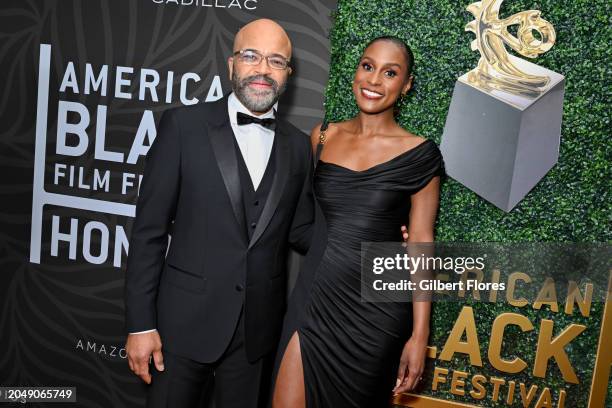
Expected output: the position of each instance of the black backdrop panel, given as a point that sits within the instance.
(83, 84)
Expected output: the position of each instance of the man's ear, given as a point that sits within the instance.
(289, 71)
(230, 66)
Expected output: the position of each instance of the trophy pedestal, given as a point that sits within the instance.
(500, 144)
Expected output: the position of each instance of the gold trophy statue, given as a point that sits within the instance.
(495, 68)
(503, 128)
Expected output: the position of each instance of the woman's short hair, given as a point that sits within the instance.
(402, 45)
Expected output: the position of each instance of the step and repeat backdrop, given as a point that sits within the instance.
(84, 84)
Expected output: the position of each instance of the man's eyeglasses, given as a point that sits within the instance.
(252, 57)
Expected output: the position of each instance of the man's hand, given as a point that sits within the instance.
(139, 348)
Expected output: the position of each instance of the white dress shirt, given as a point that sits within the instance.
(255, 143)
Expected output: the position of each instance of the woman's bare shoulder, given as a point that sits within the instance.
(405, 140)
(332, 129)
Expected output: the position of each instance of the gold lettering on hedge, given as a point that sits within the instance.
(511, 388)
(561, 402)
(527, 397)
(547, 296)
(555, 348)
(457, 382)
(479, 391)
(603, 361)
(465, 324)
(575, 297)
(548, 347)
(515, 393)
(439, 376)
(497, 336)
(497, 382)
(545, 400)
(515, 276)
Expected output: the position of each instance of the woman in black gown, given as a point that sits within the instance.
(336, 350)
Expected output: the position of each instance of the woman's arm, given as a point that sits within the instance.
(423, 211)
(421, 229)
(424, 207)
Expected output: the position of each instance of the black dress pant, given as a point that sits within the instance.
(233, 381)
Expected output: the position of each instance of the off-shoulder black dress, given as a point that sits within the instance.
(350, 349)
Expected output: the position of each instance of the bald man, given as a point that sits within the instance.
(236, 181)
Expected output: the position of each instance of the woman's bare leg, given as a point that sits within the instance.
(289, 389)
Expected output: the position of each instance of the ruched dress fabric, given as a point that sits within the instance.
(350, 349)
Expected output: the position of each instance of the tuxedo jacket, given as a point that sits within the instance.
(193, 290)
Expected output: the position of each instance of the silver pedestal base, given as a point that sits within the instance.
(500, 145)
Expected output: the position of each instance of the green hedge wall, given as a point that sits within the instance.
(573, 201)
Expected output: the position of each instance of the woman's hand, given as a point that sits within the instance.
(404, 235)
(412, 364)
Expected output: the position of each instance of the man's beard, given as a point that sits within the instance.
(257, 100)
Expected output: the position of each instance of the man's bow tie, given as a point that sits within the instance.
(244, 119)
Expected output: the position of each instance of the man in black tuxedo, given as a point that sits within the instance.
(236, 182)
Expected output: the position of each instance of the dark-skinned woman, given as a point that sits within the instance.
(372, 177)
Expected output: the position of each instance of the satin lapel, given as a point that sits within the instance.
(222, 141)
(283, 168)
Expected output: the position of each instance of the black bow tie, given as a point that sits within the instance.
(244, 119)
